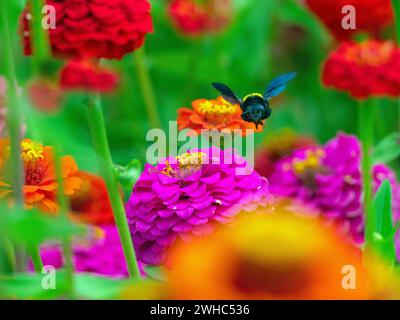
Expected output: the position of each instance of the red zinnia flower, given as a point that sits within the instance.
(91, 203)
(371, 15)
(95, 28)
(195, 18)
(364, 69)
(44, 94)
(85, 75)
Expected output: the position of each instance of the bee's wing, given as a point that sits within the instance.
(278, 85)
(227, 93)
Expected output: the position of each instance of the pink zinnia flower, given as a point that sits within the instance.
(102, 256)
(329, 179)
(177, 201)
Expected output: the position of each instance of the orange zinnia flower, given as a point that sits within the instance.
(213, 114)
(265, 256)
(194, 18)
(40, 185)
(91, 203)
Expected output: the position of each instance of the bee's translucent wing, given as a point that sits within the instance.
(227, 93)
(278, 85)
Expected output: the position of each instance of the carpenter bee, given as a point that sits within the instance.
(255, 106)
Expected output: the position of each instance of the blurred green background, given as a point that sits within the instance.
(265, 38)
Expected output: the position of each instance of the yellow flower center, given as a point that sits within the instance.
(191, 160)
(371, 53)
(187, 163)
(31, 151)
(217, 108)
(312, 162)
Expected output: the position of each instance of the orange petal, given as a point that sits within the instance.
(69, 166)
(30, 188)
(71, 185)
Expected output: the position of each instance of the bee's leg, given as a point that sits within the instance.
(246, 116)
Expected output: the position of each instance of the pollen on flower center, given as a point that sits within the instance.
(32, 154)
(31, 151)
(191, 160)
(188, 163)
(370, 53)
(216, 109)
(312, 162)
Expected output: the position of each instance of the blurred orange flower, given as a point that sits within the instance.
(40, 185)
(194, 18)
(91, 202)
(213, 114)
(264, 256)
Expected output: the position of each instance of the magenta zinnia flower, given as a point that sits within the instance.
(328, 178)
(102, 256)
(177, 201)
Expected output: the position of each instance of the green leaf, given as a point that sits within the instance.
(388, 149)
(129, 174)
(156, 273)
(86, 286)
(89, 286)
(30, 286)
(382, 238)
(32, 228)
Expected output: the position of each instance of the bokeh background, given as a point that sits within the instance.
(264, 39)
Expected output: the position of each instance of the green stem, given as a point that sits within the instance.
(41, 53)
(396, 9)
(366, 133)
(13, 109)
(40, 37)
(9, 253)
(66, 243)
(13, 118)
(147, 88)
(36, 259)
(99, 136)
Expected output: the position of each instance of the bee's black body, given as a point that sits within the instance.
(255, 107)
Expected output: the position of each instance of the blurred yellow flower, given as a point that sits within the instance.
(279, 256)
